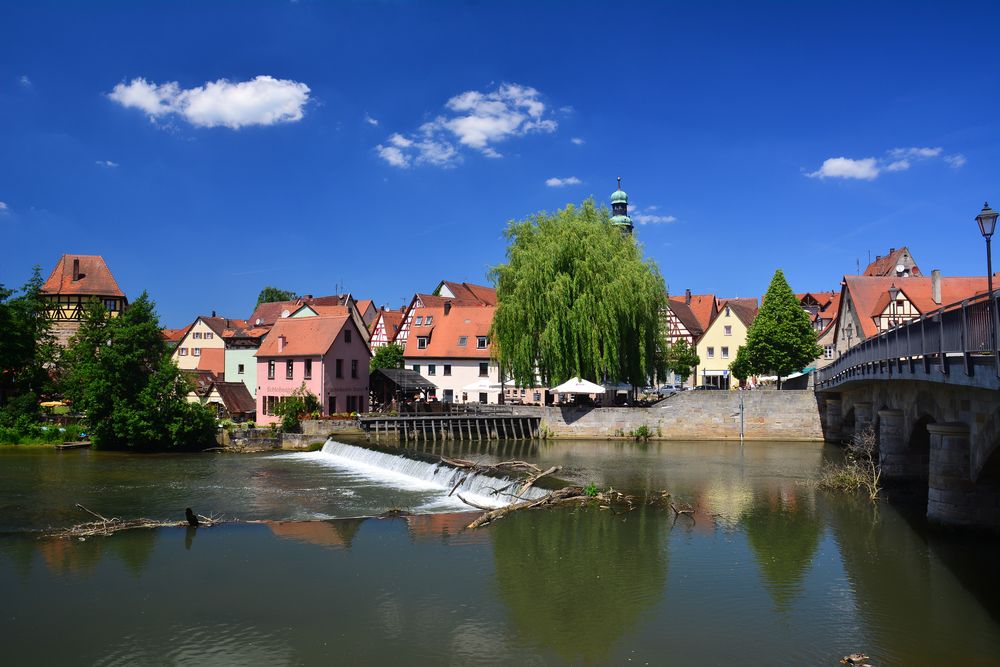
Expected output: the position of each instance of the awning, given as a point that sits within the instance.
(482, 385)
(578, 386)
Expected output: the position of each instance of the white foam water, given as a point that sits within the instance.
(407, 473)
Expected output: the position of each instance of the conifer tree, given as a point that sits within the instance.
(781, 340)
(576, 298)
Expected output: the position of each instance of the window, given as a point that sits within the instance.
(239, 369)
(728, 330)
(419, 321)
(111, 305)
(449, 396)
(347, 335)
(725, 352)
(308, 371)
(483, 397)
(538, 396)
(430, 318)
(354, 368)
(484, 368)
(416, 368)
(431, 369)
(196, 351)
(183, 352)
(462, 340)
(209, 335)
(728, 311)
(480, 342)
(465, 397)
(196, 335)
(447, 369)
(289, 370)
(270, 369)
(711, 353)
(828, 352)
(340, 368)
(352, 403)
(421, 342)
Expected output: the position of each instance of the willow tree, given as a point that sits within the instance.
(576, 298)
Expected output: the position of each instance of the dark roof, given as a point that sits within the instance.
(236, 397)
(220, 324)
(687, 317)
(406, 379)
(94, 278)
(744, 310)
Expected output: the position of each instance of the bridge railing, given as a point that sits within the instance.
(958, 329)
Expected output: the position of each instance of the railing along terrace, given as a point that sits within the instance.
(959, 329)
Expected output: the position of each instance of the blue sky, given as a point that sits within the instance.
(209, 149)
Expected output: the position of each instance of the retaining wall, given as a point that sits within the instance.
(694, 415)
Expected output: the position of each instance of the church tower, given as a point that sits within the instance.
(619, 209)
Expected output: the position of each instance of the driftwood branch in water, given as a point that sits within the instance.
(105, 526)
(505, 468)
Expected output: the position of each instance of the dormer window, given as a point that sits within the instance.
(480, 342)
(430, 318)
(462, 340)
(421, 342)
(419, 321)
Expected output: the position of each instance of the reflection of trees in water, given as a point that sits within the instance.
(576, 581)
(783, 531)
(72, 556)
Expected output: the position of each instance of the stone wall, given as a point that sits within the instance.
(690, 415)
(250, 439)
(326, 427)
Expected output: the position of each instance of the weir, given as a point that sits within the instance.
(489, 490)
(436, 427)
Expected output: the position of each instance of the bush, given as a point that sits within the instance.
(642, 434)
(860, 470)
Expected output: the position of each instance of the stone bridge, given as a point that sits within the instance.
(930, 390)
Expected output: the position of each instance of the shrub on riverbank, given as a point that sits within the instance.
(860, 470)
(39, 434)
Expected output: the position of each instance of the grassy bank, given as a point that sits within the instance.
(39, 434)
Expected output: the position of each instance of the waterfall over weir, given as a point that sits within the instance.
(390, 468)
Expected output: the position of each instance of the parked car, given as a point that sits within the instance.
(706, 387)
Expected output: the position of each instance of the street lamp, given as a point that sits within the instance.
(849, 330)
(987, 220)
(893, 295)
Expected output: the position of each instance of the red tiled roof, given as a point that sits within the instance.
(219, 325)
(175, 335)
(269, 313)
(236, 397)
(95, 278)
(870, 294)
(364, 305)
(686, 315)
(481, 294)
(392, 319)
(304, 336)
(886, 266)
(213, 359)
(703, 307)
(443, 335)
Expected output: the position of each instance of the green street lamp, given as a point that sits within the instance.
(987, 220)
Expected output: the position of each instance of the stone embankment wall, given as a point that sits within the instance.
(693, 415)
(259, 439)
(326, 427)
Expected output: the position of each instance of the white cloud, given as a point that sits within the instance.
(474, 120)
(578, 141)
(897, 159)
(24, 81)
(645, 216)
(371, 121)
(263, 100)
(4, 208)
(106, 163)
(560, 182)
(914, 153)
(843, 167)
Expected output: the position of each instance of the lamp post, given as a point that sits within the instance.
(893, 295)
(849, 330)
(987, 220)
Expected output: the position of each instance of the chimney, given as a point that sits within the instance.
(447, 307)
(76, 269)
(936, 286)
(307, 297)
(878, 257)
(892, 250)
(213, 313)
(687, 297)
(281, 343)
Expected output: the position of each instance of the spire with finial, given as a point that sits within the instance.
(619, 208)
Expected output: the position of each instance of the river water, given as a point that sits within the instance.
(768, 571)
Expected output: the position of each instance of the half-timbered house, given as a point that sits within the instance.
(75, 282)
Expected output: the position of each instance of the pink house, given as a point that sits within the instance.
(326, 354)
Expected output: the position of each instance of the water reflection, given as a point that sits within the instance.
(576, 581)
(337, 534)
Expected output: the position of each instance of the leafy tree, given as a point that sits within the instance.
(741, 365)
(387, 356)
(301, 403)
(120, 374)
(682, 358)
(271, 294)
(576, 298)
(27, 352)
(781, 340)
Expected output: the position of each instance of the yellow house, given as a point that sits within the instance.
(203, 347)
(718, 345)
